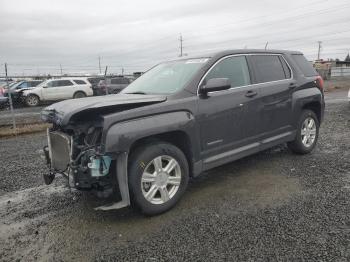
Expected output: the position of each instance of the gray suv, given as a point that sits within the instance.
(181, 118)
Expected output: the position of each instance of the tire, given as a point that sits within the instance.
(164, 189)
(79, 94)
(32, 100)
(302, 144)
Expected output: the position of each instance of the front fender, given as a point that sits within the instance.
(122, 135)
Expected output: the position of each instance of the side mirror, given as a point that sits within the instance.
(215, 84)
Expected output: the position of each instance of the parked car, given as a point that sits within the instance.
(17, 89)
(113, 85)
(181, 118)
(94, 85)
(57, 89)
(3, 82)
(3, 102)
(3, 85)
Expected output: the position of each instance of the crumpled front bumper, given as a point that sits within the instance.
(58, 155)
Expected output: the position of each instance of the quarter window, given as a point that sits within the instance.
(234, 68)
(268, 68)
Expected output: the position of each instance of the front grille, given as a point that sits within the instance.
(60, 150)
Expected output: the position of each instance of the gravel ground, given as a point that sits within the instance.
(272, 206)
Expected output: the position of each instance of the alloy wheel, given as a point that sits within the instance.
(161, 179)
(308, 132)
(32, 101)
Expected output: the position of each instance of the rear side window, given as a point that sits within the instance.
(234, 68)
(268, 68)
(304, 65)
(65, 83)
(79, 82)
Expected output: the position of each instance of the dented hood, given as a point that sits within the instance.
(61, 112)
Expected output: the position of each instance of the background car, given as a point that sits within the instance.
(94, 85)
(57, 89)
(17, 89)
(113, 85)
(3, 102)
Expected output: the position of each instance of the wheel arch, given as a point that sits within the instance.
(79, 91)
(177, 138)
(315, 107)
(33, 94)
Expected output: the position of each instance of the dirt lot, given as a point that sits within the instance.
(273, 206)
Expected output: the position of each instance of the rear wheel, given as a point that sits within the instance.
(307, 133)
(79, 94)
(158, 176)
(32, 100)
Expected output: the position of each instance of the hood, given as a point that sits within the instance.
(61, 112)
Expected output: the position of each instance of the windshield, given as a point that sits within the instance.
(166, 78)
(11, 85)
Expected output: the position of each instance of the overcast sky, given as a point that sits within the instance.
(39, 35)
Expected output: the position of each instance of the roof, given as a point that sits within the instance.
(242, 51)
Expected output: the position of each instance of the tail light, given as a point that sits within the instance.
(319, 83)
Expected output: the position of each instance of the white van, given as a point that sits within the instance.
(57, 89)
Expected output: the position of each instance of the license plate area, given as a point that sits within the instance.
(59, 150)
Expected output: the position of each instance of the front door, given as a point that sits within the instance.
(227, 119)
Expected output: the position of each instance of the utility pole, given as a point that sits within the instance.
(181, 45)
(10, 99)
(61, 69)
(122, 71)
(99, 63)
(106, 80)
(319, 49)
(266, 45)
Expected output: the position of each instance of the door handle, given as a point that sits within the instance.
(251, 93)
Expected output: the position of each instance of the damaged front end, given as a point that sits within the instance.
(75, 152)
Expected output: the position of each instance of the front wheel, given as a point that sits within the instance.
(307, 133)
(32, 100)
(158, 176)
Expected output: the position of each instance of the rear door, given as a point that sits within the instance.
(273, 77)
(67, 89)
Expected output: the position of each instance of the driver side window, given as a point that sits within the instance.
(234, 68)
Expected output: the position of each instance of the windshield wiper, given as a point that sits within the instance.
(136, 93)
